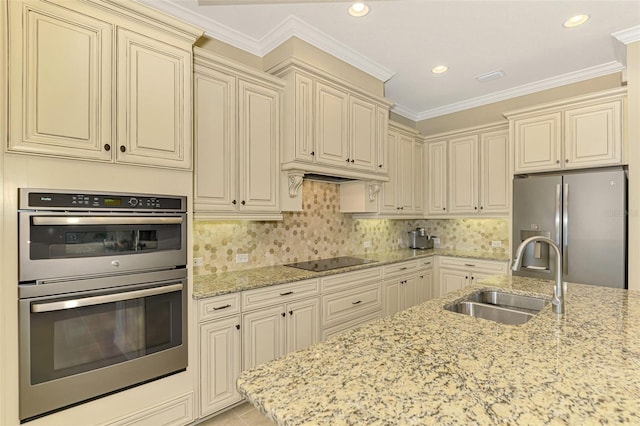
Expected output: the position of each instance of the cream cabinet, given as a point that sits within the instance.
(69, 108)
(350, 300)
(400, 287)
(586, 131)
(455, 273)
(400, 195)
(220, 352)
(469, 173)
(426, 288)
(270, 329)
(237, 139)
(331, 127)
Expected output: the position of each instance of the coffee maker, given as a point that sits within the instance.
(419, 239)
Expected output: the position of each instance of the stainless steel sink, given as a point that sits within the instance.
(506, 308)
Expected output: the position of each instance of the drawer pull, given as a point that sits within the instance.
(403, 268)
(287, 293)
(218, 308)
(470, 264)
(356, 302)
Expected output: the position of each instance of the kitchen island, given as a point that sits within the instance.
(426, 365)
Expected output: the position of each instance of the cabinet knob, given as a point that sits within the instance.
(290, 312)
(283, 314)
(444, 208)
(242, 202)
(557, 161)
(347, 160)
(234, 202)
(380, 165)
(237, 326)
(353, 161)
(566, 160)
(466, 277)
(107, 147)
(481, 207)
(313, 153)
(123, 148)
(475, 208)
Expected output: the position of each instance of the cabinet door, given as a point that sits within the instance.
(452, 280)
(463, 175)
(419, 174)
(332, 125)
(405, 174)
(220, 364)
(362, 137)
(411, 290)
(593, 135)
(389, 191)
(391, 298)
(494, 172)
(426, 291)
(215, 135)
(263, 337)
(304, 146)
(437, 178)
(538, 143)
(258, 141)
(382, 123)
(303, 324)
(154, 102)
(60, 78)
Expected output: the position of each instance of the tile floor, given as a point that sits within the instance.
(242, 415)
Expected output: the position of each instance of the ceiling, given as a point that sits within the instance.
(400, 41)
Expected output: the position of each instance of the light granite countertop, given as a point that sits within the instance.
(426, 365)
(231, 282)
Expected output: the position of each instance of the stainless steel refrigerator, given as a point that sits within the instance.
(585, 213)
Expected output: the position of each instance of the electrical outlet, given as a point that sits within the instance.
(436, 240)
(242, 258)
(367, 244)
(496, 243)
(198, 261)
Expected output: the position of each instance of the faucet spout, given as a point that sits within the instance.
(558, 291)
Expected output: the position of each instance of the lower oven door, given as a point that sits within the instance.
(84, 345)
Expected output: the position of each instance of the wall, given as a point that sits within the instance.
(321, 231)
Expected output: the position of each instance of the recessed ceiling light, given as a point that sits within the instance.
(574, 21)
(358, 9)
(439, 69)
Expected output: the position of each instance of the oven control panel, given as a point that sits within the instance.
(66, 200)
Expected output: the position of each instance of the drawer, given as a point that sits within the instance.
(400, 268)
(488, 266)
(218, 307)
(425, 263)
(350, 279)
(350, 325)
(282, 293)
(350, 304)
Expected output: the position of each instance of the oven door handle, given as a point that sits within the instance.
(105, 298)
(105, 220)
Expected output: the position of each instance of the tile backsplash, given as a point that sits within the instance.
(321, 231)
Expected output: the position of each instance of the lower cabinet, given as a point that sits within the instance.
(270, 333)
(426, 288)
(400, 287)
(457, 273)
(220, 352)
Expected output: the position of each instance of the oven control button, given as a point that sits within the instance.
(115, 263)
(133, 201)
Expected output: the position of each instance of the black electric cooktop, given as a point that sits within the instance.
(328, 264)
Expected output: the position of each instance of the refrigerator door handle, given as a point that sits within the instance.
(558, 213)
(565, 229)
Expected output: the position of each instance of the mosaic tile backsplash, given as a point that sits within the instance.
(321, 231)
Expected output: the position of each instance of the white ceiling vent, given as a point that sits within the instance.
(493, 75)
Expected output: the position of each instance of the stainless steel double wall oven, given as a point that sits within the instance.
(102, 294)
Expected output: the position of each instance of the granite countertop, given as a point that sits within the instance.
(232, 282)
(426, 366)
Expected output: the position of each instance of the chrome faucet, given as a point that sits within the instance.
(558, 293)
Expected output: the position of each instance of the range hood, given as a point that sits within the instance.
(327, 178)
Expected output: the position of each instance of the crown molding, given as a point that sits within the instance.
(630, 35)
(526, 89)
(290, 27)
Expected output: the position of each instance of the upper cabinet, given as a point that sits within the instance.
(586, 131)
(468, 172)
(332, 127)
(121, 93)
(237, 140)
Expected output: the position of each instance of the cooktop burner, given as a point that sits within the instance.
(328, 264)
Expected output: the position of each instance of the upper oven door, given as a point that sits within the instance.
(56, 245)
